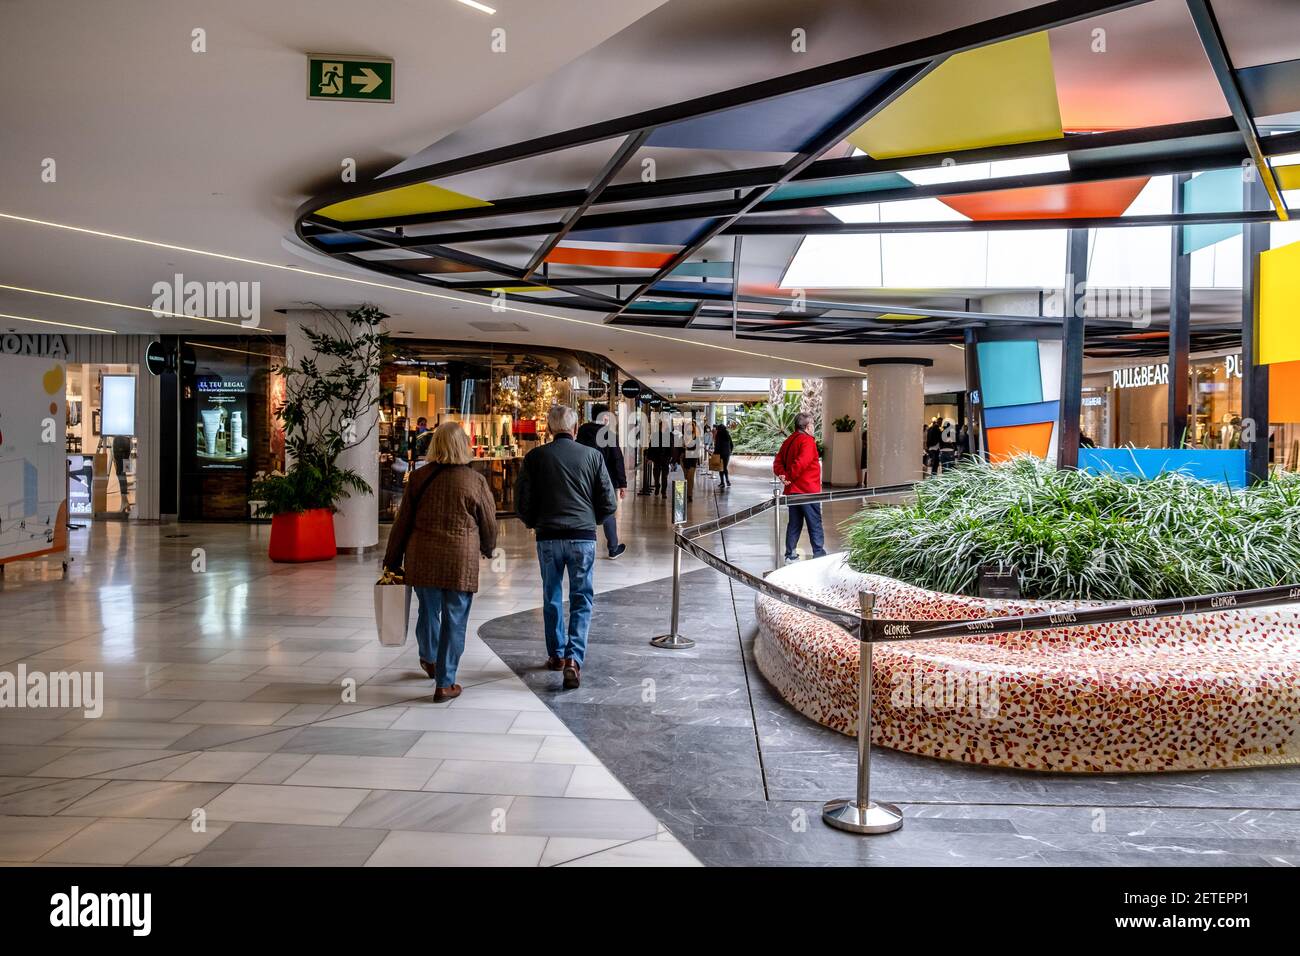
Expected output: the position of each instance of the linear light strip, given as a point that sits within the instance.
(371, 283)
(121, 305)
(66, 325)
(481, 7)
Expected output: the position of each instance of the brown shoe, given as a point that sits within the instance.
(555, 663)
(428, 669)
(446, 693)
(572, 674)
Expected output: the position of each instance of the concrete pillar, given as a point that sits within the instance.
(895, 419)
(842, 396)
(356, 523)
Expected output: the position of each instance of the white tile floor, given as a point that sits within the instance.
(225, 707)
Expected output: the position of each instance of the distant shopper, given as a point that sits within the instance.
(722, 447)
(420, 442)
(602, 435)
(800, 469)
(933, 440)
(948, 446)
(963, 442)
(447, 519)
(694, 454)
(563, 492)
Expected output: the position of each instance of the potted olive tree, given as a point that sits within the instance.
(329, 396)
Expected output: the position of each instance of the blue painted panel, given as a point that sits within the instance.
(1009, 373)
(1271, 88)
(337, 239)
(697, 288)
(816, 188)
(783, 124)
(677, 233)
(1227, 466)
(640, 306)
(1218, 190)
(1021, 414)
(710, 270)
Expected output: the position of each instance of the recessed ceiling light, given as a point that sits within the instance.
(482, 8)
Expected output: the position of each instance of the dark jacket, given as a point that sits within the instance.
(447, 519)
(564, 491)
(722, 444)
(590, 435)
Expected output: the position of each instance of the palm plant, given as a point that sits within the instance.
(1072, 535)
(763, 427)
(328, 397)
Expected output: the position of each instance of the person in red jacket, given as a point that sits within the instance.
(799, 468)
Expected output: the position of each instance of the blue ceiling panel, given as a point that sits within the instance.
(782, 124)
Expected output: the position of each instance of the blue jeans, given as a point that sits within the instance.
(578, 558)
(440, 629)
(812, 516)
(610, 525)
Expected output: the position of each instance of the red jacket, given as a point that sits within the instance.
(797, 462)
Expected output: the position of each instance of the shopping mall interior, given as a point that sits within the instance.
(934, 370)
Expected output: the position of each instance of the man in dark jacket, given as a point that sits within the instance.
(602, 435)
(563, 492)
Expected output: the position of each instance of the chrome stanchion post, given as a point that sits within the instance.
(673, 640)
(860, 814)
(777, 553)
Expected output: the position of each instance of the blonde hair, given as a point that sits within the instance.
(450, 445)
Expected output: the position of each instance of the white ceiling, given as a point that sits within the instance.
(214, 151)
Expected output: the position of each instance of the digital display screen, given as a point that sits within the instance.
(118, 407)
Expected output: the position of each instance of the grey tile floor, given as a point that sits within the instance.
(227, 738)
(702, 740)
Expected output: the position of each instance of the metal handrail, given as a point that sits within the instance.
(860, 814)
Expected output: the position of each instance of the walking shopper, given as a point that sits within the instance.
(657, 458)
(447, 519)
(563, 492)
(722, 447)
(602, 435)
(693, 455)
(800, 470)
(933, 438)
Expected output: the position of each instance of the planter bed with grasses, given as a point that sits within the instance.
(1181, 693)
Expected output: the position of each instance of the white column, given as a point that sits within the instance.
(895, 423)
(842, 396)
(356, 523)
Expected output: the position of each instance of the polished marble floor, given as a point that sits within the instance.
(228, 737)
(225, 707)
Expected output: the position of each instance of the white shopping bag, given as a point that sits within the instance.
(392, 611)
(676, 473)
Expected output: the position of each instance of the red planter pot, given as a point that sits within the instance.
(304, 536)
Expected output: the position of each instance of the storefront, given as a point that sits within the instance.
(227, 424)
(1129, 406)
(500, 395)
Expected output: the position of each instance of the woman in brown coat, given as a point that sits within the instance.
(447, 519)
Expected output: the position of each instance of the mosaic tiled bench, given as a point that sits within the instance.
(1180, 693)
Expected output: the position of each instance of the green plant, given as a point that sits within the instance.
(1072, 535)
(762, 427)
(845, 424)
(326, 411)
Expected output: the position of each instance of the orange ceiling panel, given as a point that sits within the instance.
(615, 258)
(1284, 392)
(1011, 440)
(1107, 198)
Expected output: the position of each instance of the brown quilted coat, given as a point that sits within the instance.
(452, 523)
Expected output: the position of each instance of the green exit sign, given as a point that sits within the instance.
(333, 77)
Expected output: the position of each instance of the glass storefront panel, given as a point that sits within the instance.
(500, 396)
(1130, 406)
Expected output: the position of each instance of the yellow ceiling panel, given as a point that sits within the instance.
(403, 201)
(991, 96)
(1279, 305)
(899, 317)
(1288, 177)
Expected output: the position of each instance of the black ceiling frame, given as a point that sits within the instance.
(1193, 145)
